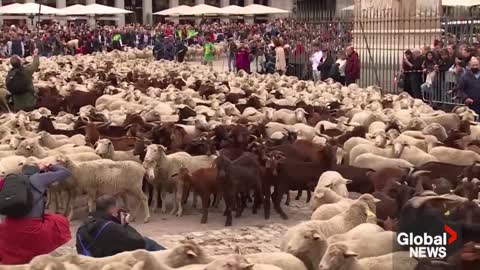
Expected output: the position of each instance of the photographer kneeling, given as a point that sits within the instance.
(106, 232)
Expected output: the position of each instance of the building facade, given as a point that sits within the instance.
(143, 9)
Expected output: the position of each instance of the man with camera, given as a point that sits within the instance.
(106, 232)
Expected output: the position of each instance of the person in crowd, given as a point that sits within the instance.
(445, 63)
(16, 46)
(339, 68)
(19, 82)
(107, 232)
(326, 64)
(429, 72)
(231, 54)
(466, 55)
(208, 52)
(352, 68)
(257, 55)
(158, 48)
(416, 73)
(315, 59)
(469, 85)
(25, 236)
(169, 48)
(243, 58)
(181, 50)
(280, 58)
(117, 42)
(406, 70)
(299, 60)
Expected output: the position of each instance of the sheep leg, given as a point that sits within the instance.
(133, 215)
(238, 211)
(154, 199)
(299, 194)
(138, 193)
(179, 200)
(174, 201)
(229, 203)
(256, 202)
(309, 195)
(194, 203)
(278, 199)
(67, 203)
(266, 202)
(91, 201)
(205, 204)
(287, 203)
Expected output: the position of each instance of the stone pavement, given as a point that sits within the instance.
(251, 233)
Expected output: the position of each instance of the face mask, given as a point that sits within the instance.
(474, 70)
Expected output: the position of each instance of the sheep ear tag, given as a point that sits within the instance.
(447, 213)
(370, 213)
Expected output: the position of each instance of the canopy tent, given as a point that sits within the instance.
(233, 10)
(256, 9)
(30, 8)
(348, 8)
(95, 9)
(175, 11)
(460, 3)
(73, 10)
(8, 7)
(203, 9)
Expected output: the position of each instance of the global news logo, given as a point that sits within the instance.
(428, 246)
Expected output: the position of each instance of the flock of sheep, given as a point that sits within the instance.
(125, 125)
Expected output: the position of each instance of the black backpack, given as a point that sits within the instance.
(16, 81)
(16, 197)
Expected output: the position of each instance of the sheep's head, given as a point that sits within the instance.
(27, 148)
(104, 147)
(337, 257)
(187, 253)
(303, 239)
(15, 141)
(319, 197)
(155, 152)
(46, 262)
(273, 159)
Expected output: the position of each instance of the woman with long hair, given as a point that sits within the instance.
(280, 59)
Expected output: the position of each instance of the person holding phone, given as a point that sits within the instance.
(107, 232)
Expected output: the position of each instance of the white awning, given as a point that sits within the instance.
(31, 8)
(348, 8)
(73, 10)
(460, 3)
(233, 9)
(175, 11)
(95, 9)
(8, 7)
(203, 9)
(261, 9)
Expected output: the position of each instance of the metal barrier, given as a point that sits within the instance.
(381, 37)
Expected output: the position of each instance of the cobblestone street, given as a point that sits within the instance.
(251, 233)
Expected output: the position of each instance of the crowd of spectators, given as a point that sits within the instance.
(436, 71)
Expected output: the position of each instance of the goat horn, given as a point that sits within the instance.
(417, 173)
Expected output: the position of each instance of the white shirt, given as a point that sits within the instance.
(341, 66)
(315, 59)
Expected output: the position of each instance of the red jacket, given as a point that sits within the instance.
(23, 239)
(352, 68)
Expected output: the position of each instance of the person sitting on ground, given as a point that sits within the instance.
(27, 230)
(19, 82)
(106, 232)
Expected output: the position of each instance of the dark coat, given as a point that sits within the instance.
(115, 237)
(27, 100)
(352, 68)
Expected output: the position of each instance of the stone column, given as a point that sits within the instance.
(61, 4)
(90, 20)
(199, 19)
(174, 3)
(224, 3)
(29, 22)
(147, 9)
(249, 19)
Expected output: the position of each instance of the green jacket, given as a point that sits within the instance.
(27, 100)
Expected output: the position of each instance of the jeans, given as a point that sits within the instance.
(316, 75)
(151, 245)
(231, 63)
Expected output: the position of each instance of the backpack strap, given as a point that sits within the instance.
(84, 248)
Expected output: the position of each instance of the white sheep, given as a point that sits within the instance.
(308, 240)
(384, 243)
(105, 149)
(327, 211)
(335, 181)
(11, 164)
(455, 156)
(324, 195)
(361, 231)
(413, 154)
(108, 177)
(375, 162)
(360, 149)
(289, 117)
(31, 147)
(347, 260)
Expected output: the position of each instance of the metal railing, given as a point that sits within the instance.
(381, 37)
